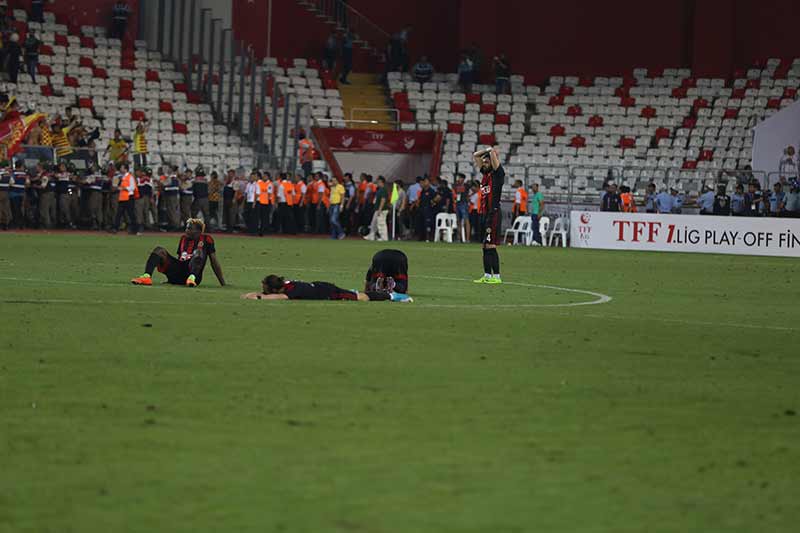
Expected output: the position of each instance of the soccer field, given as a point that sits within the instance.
(672, 407)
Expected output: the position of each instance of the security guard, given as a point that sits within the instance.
(145, 203)
(47, 198)
(5, 203)
(200, 190)
(264, 204)
(127, 195)
(187, 196)
(95, 182)
(19, 183)
(171, 190)
(111, 196)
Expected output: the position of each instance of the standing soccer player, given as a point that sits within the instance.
(491, 187)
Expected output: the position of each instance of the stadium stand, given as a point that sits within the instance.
(664, 126)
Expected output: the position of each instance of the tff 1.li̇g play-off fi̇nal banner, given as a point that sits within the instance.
(685, 233)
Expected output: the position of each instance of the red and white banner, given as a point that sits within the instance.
(403, 142)
(685, 233)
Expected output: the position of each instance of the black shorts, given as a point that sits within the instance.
(490, 223)
(178, 271)
(318, 290)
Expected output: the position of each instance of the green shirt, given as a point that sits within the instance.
(536, 203)
(381, 195)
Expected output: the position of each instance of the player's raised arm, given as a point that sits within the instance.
(477, 157)
(494, 158)
(217, 268)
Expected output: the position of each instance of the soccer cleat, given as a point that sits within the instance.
(142, 280)
(483, 279)
(190, 281)
(494, 281)
(400, 297)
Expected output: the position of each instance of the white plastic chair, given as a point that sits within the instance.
(520, 228)
(544, 228)
(560, 229)
(445, 223)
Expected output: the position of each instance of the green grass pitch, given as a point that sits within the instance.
(674, 407)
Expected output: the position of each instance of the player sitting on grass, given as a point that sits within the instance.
(276, 288)
(388, 272)
(187, 269)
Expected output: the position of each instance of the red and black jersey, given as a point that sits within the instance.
(491, 189)
(187, 246)
(317, 290)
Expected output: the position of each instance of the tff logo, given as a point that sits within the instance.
(585, 218)
(409, 142)
(636, 230)
(347, 140)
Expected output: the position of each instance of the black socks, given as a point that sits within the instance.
(491, 261)
(375, 296)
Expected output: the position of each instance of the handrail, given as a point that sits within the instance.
(388, 109)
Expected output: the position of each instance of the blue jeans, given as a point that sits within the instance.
(336, 227)
(537, 237)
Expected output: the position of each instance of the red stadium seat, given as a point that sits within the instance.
(586, 81)
(699, 103)
(574, 111)
(179, 87)
(47, 90)
(127, 64)
(566, 90)
(69, 81)
(100, 73)
(455, 127)
(486, 138)
(473, 98)
(648, 112)
(790, 92)
(679, 92)
(194, 98)
(689, 123)
(706, 155)
(689, 83)
(502, 119)
(488, 108)
(622, 92)
(629, 81)
(731, 112)
(774, 103)
(86, 62)
(406, 116)
(330, 84)
(61, 40)
(689, 164)
(556, 100)
(738, 93)
(662, 133)
(595, 121)
(151, 75)
(627, 142)
(137, 115)
(44, 70)
(88, 42)
(165, 106)
(456, 107)
(179, 127)
(578, 141)
(753, 84)
(126, 84)
(125, 94)
(558, 131)
(85, 103)
(46, 50)
(627, 101)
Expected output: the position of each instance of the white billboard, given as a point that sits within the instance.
(685, 233)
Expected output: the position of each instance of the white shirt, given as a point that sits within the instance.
(250, 192)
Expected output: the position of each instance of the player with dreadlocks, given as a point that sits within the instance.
(194, 248)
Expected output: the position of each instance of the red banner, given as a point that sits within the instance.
(403, 142)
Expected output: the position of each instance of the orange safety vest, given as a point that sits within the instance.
(305, 151)
(288, 192)
(523, 200)
(263, 192)
(326, 197)
(628, 205)
(299, 197)
(124, 185)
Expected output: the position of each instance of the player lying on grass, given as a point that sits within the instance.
(388, 272)
(276, 288)
(194, 249)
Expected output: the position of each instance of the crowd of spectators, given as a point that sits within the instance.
(748, 199)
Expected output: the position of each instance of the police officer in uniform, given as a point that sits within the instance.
(47, 198)
(187, 196)
(32, 194)
(95, 183)
(169, 196)
(5, 202)
(145, 204)
(110, 195)
(74, 195)
(200, 190)
(19, 183)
